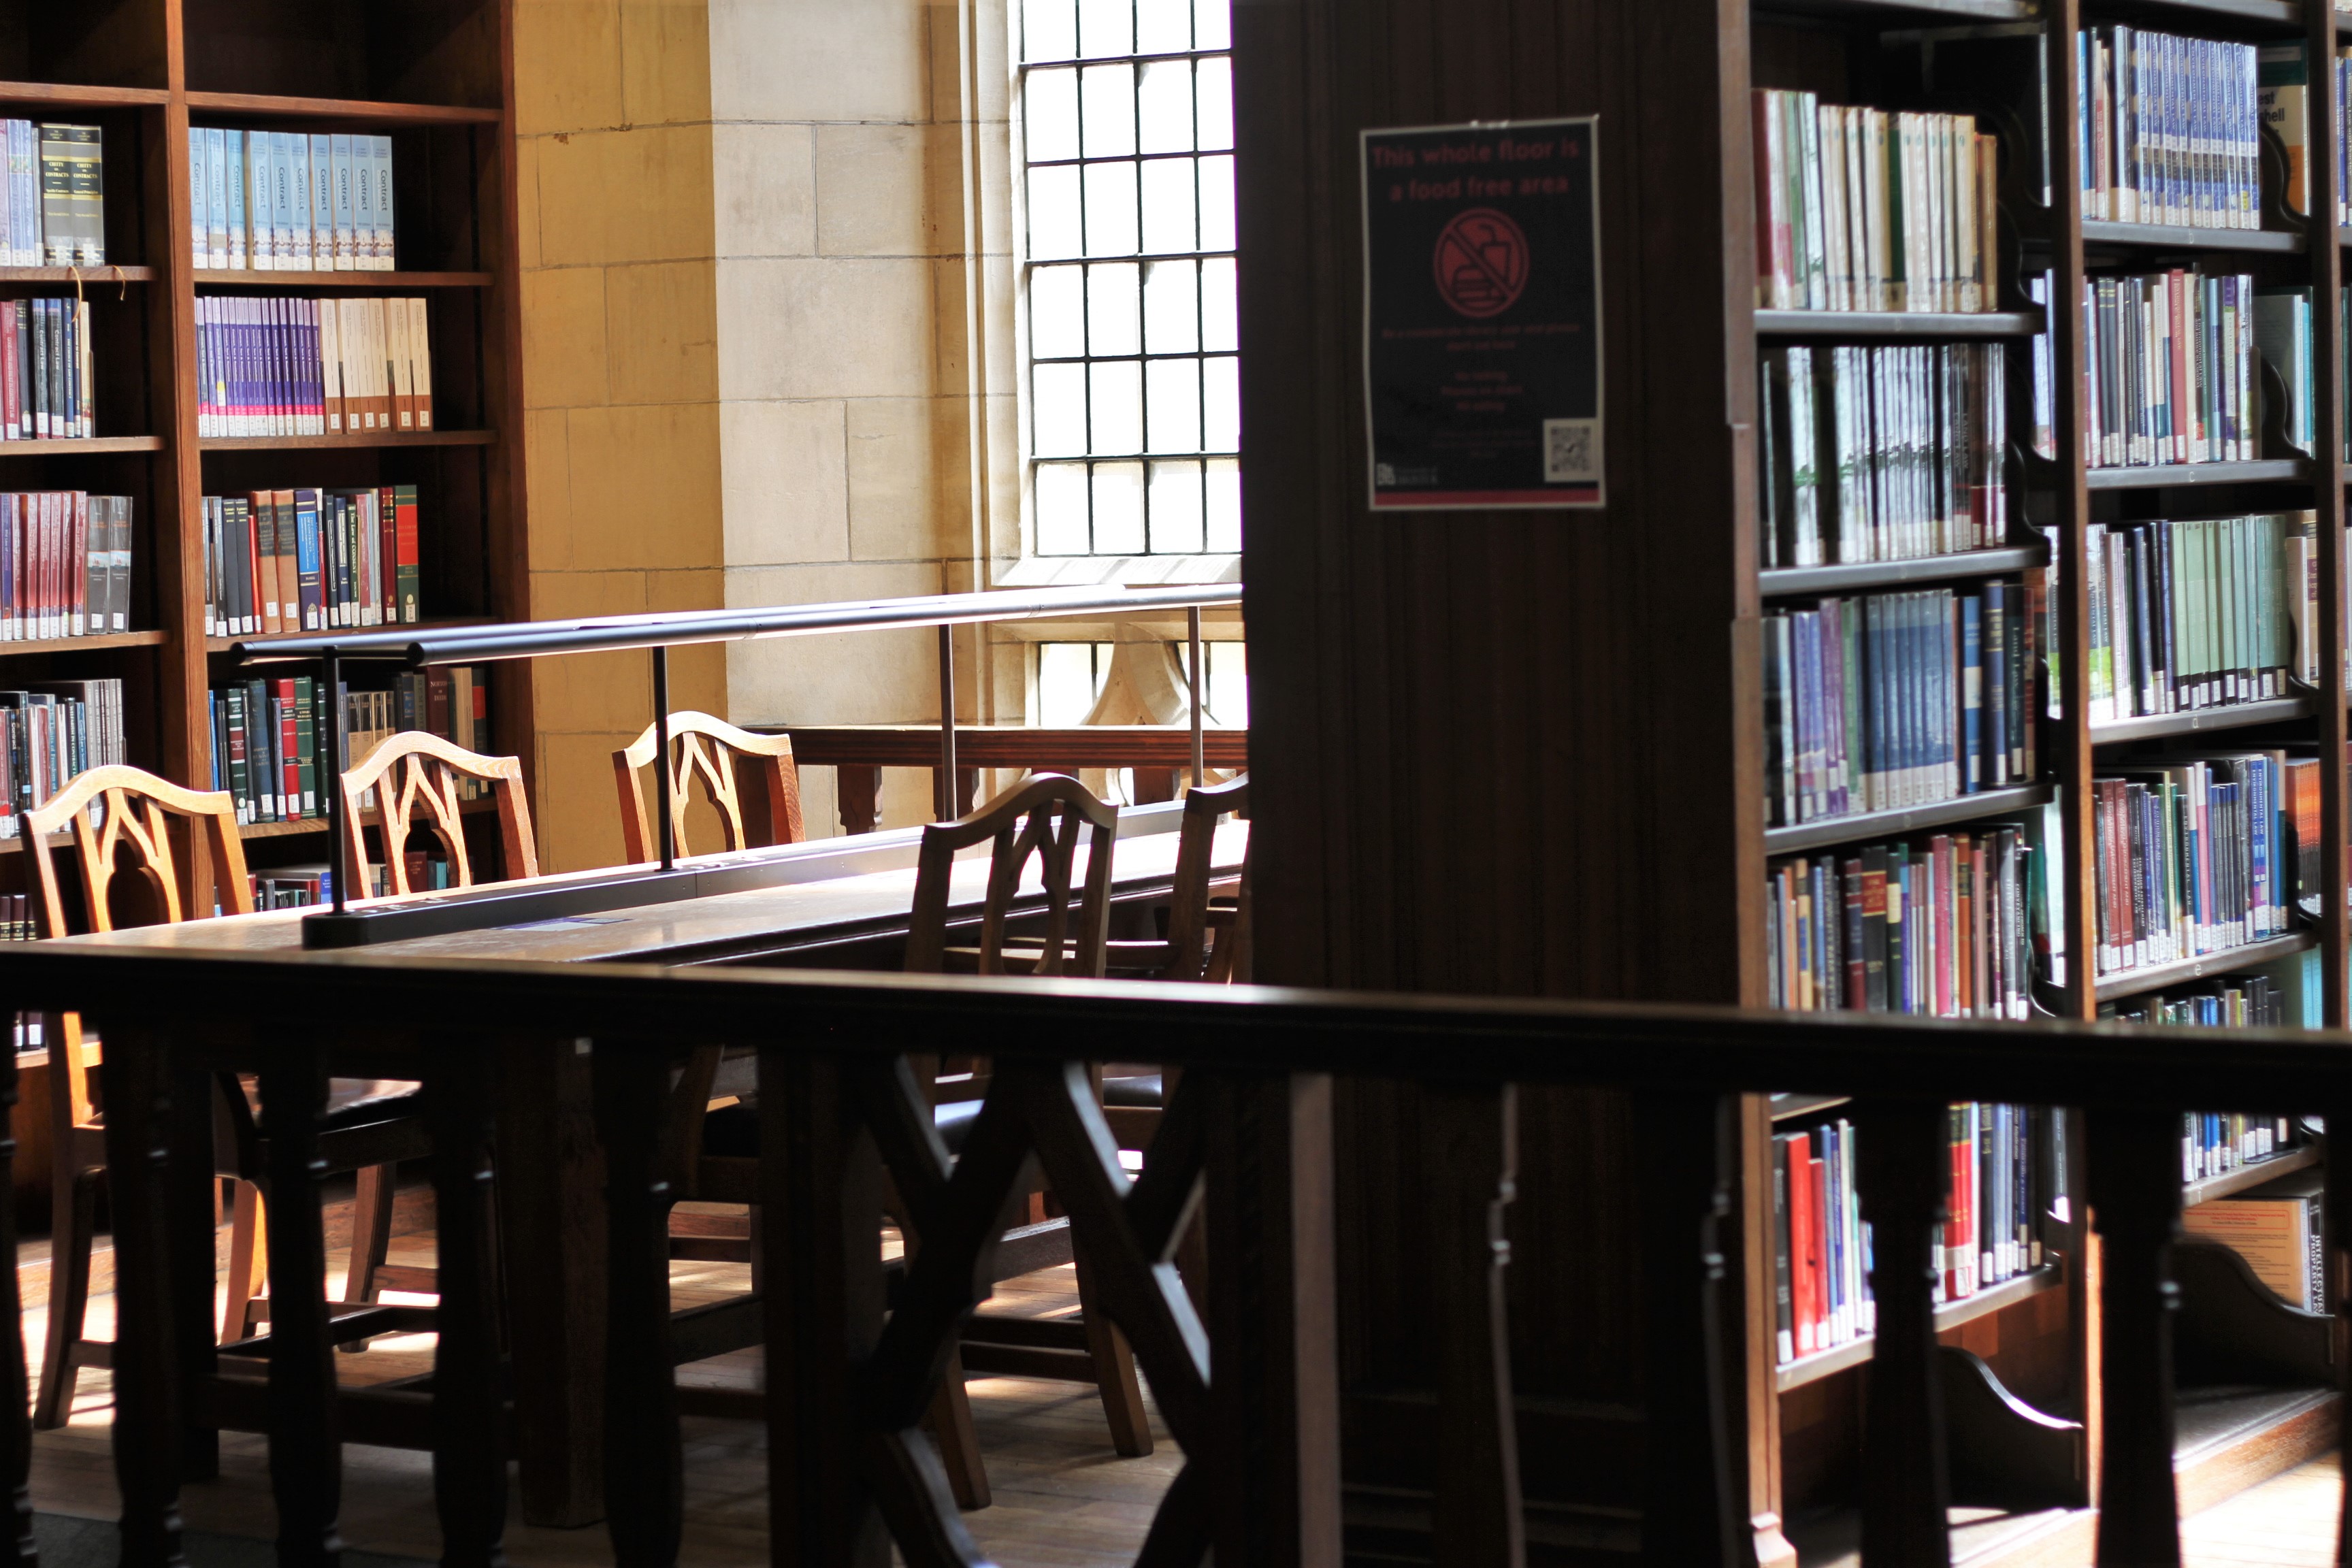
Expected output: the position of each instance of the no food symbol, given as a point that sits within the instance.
(1481, 262)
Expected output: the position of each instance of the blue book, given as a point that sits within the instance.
(307, 560)
(233, 178)
(1972, 684)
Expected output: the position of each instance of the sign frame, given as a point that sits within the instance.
(1573, 496)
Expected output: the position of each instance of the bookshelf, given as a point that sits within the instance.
(432, 76)
(2042, 1324)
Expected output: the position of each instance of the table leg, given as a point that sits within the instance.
(16, 1437)
(469, 1459)
(645, 1471)
(551, 1194)
(306, 1452)
(147, 1402)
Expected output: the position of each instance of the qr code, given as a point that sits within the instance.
(1568, 455)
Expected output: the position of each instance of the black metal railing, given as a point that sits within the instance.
(1249, 1389)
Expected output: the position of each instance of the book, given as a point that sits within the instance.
(2198, 612)
(2278, 1229)
(308, 367)
(317, 558)
(2142, 92)
(2172, 369)
(72, 164)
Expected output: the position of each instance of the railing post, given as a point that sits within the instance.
(2135, 1159)
(946, 791)
(1273, 1373)
(662, 781)
(2336, 1214)
(16, 1442)
(1688, 1515)
(1905, 1481)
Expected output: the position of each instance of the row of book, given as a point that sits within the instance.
(1942, 927)
(2194, 856)
(65, 564)
(2170, 368)
(308, 560)
(312, 367)
(54, 213)
(273, 754)
(1867, 209)
(51, 732)
(283, 201)
(2007, 1164)
(2279, 1229)
(291, 886)
(1882, 454)
(2252, 1001)
(2171, 129)
(16, 924)
(47, 389)
(2198, 612)
(1894, 700)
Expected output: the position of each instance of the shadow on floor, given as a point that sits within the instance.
(68, 1542)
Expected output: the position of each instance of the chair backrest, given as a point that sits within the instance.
(132, 839)
(1044, 817)
(1189, 919)
(716, 752)
(414, 772)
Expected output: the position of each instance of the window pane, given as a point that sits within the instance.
(1164, 105)
(1217, 204)
(1226, 699)
(1168, 205)
(1172, 388)
(1110, 110)
(1216, 90)
(1066, 682)
(1111, 326)
(1117, 408)
(1212, 25)
(1105, 27)
(1219, 327)
(1118, 508)
(1062, 508)
(1049, 105)
(1164, 27)
(1057, 312)
(1049, 29)
(1058, 411)
(1176, 508)
(1172, 323)
(1220, 396)
(1110, 209)
(1054, 214)
(1223, 494)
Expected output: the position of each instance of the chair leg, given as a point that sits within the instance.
(73, 1223)
(249, 1265)
(371, 1231)
(950, 1422)
(1114, 1379)
(759, 1265)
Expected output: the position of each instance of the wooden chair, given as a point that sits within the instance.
(414, 776)
(718, 754)
(134, 873)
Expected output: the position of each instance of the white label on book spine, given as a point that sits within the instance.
(382, 164)
(322, 204)
(340, 151)
(233, 178)
(297, 194)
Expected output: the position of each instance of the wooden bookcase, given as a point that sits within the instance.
(2039, 1333)
(435, 77)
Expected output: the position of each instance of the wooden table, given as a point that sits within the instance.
(551, 1169)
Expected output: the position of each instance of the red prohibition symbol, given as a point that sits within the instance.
(1481, 262)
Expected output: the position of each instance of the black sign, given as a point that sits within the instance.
(1482, 323)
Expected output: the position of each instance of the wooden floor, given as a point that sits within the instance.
(1063, 1498)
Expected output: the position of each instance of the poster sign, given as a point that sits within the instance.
(1482, 319)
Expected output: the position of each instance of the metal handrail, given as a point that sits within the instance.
(662, 630)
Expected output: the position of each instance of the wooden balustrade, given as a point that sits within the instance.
(1249, 1388)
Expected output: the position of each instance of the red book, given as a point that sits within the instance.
(77, 562)
(12, 391)
(1804, 1260)
(289, 751)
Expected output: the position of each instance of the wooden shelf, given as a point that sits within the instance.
(270, 106)
(245, 277)
(2175, 476)
(371, 438)
(78, 645)
(2229, 961)
(1871, 825)
(105, 276)
(1950, 1315)
(62, 95)
(317, 825)
(223, 645)
(2180, 236)
(1790, 1107)
(1882, 326)
(2247, 1177)
(2199, 720)
(1847, 577)
(1887, 13)
(91, 447)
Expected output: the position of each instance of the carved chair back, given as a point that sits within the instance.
(718, 754)
(415, 775)
(1044, 818)
(1201, 903)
